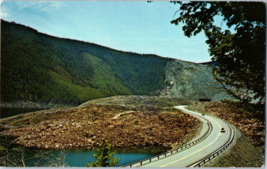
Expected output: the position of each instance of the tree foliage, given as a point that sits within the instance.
(104, 156)
(240, 54)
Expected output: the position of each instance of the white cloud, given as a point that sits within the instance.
(41, 6)
(53, 5)
(3, 11)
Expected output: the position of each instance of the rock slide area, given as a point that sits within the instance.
(84, 127)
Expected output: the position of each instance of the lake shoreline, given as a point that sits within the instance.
(78, 157)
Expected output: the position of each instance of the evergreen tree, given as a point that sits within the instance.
(38, 67)
(104, 156)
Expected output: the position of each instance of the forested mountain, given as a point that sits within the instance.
(42, 68)
(38, 67)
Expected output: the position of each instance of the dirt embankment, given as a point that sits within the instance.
(86, 125)
(249, 148)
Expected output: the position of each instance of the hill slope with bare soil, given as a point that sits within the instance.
(191, 81)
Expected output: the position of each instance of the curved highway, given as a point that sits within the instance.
(191, 155)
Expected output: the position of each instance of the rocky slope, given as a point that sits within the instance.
(191, 81)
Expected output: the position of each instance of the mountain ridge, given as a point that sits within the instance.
(40, 67)
(33, 62)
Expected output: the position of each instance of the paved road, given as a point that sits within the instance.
(198, 151)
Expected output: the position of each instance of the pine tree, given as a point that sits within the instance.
(104, 156)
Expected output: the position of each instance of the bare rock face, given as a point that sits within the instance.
(191, 81)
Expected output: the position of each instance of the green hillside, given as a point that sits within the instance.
(38, 67)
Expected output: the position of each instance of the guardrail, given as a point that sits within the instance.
(157, 157)
(216, 152)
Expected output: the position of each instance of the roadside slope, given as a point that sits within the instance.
(242, 154)
(248, 150)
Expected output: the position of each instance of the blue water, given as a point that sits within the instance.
(80, 157)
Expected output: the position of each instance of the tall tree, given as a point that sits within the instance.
(240, 55)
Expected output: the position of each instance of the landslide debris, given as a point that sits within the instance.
(143, 101)
(85, 126)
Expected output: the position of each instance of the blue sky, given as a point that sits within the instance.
(135, 26)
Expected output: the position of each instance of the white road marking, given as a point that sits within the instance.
(196, 151)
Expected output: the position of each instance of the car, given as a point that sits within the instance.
(222, 130)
